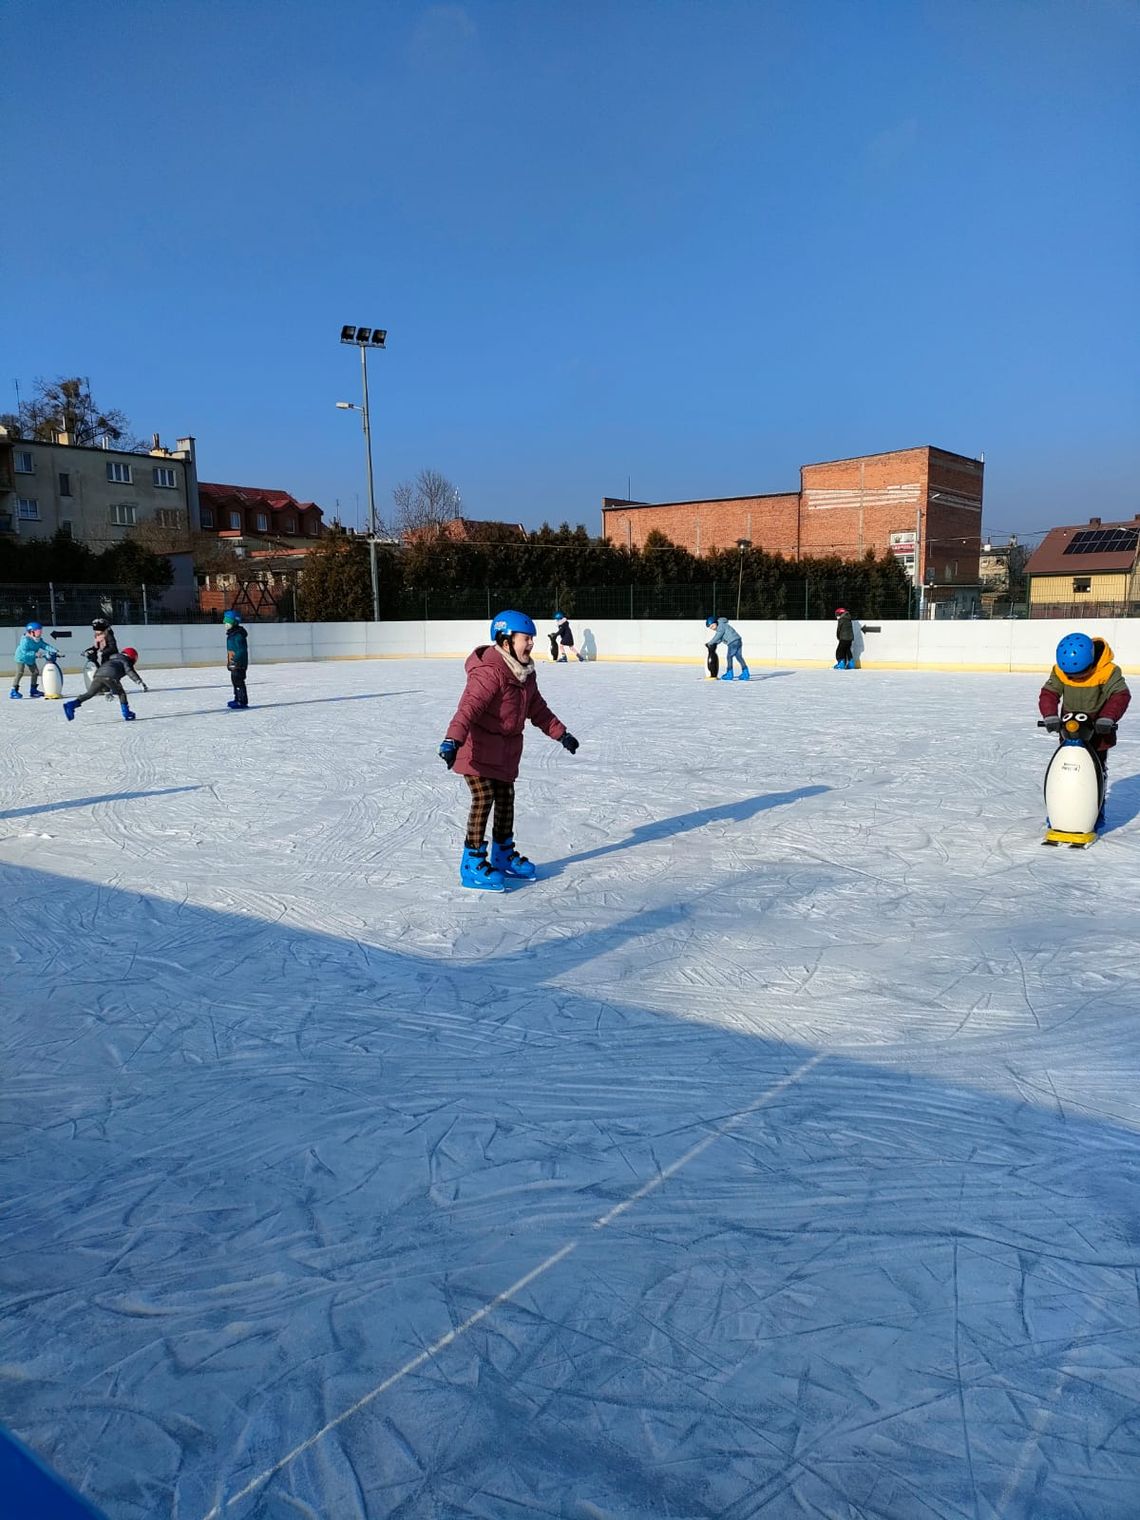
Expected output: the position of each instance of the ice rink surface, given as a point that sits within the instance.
(775, 1154)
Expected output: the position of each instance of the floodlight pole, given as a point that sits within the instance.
(362, 337)
(372, 565)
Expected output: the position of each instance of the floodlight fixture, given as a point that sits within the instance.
(364, 337)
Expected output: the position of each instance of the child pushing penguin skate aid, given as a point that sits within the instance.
(1088, 689)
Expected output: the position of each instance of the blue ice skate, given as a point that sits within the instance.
(35, 692)
(475, 872)
(745, 673)
(728, 676)
(507, 860)
(128, 715)
(69, 710)
(15, 696)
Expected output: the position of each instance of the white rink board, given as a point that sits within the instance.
(774, 1154)
(1011, 645)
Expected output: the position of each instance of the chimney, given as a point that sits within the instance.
(1094, 522)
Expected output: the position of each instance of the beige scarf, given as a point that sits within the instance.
(521, 673)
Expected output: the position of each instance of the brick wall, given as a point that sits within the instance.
(844, 507)
(700, 526)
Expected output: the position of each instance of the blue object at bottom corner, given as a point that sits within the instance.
(31, 1491)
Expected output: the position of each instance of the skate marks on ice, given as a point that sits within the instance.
(236, 1216)
(508, 1294)
(81, 802)
(220, 709)
(683, 823)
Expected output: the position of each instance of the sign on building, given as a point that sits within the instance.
(903, 548)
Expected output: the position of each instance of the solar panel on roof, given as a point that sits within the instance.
(1103, 541)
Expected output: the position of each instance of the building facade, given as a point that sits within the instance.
(243, 513)
(1086, 570)
(923, 505)
(95, 495)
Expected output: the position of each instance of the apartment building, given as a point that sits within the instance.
(95, 495)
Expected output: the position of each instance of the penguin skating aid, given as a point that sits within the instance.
(1074, 783)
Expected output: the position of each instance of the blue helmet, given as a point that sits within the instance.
(1075, 653)
(711, 622)
(231, 617)
(511, 622)
(33, 627)
(559, 617)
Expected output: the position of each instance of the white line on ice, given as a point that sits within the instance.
(516, 1288)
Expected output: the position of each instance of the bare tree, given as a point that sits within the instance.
(67, 406)
(429, 501)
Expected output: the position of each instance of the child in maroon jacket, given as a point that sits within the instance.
(484, 743)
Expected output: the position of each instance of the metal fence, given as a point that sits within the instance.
(1076, 611)
(57, 603)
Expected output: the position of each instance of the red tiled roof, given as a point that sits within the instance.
(1049, 558)
(253, 496)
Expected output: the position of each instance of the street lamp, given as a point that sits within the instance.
(741, 544)
(365, 338)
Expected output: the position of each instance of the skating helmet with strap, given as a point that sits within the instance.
(559, 617)
(130, 654)
(511, 622)
(1075, 653)
(33, 627)
(231, 617)
(711, 622)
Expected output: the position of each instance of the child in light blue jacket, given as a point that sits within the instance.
(727, 635)
(29, 646)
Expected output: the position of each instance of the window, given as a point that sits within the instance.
(165, 477)
(119, 473)
(23, 462)
(27, 509)
(65, 527)
(167, 517)
(123, 515)
(207, 517)
(64, 483)
(290, 525)
(235, 520)
(262, 522)
(313, 528)
(1082, 583)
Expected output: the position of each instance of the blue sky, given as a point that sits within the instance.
(689, 245)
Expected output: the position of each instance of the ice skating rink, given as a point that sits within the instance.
(775, 1154)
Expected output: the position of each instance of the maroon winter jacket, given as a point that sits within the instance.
(492, 714)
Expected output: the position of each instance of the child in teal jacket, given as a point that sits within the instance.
(27, 649)
(237, 658)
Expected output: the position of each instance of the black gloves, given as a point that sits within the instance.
(569, 743)
(447, 752)
(1052, 724)
(1105, 725)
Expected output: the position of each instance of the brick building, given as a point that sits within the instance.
(844, 507)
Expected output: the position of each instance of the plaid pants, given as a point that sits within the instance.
(485, 795)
